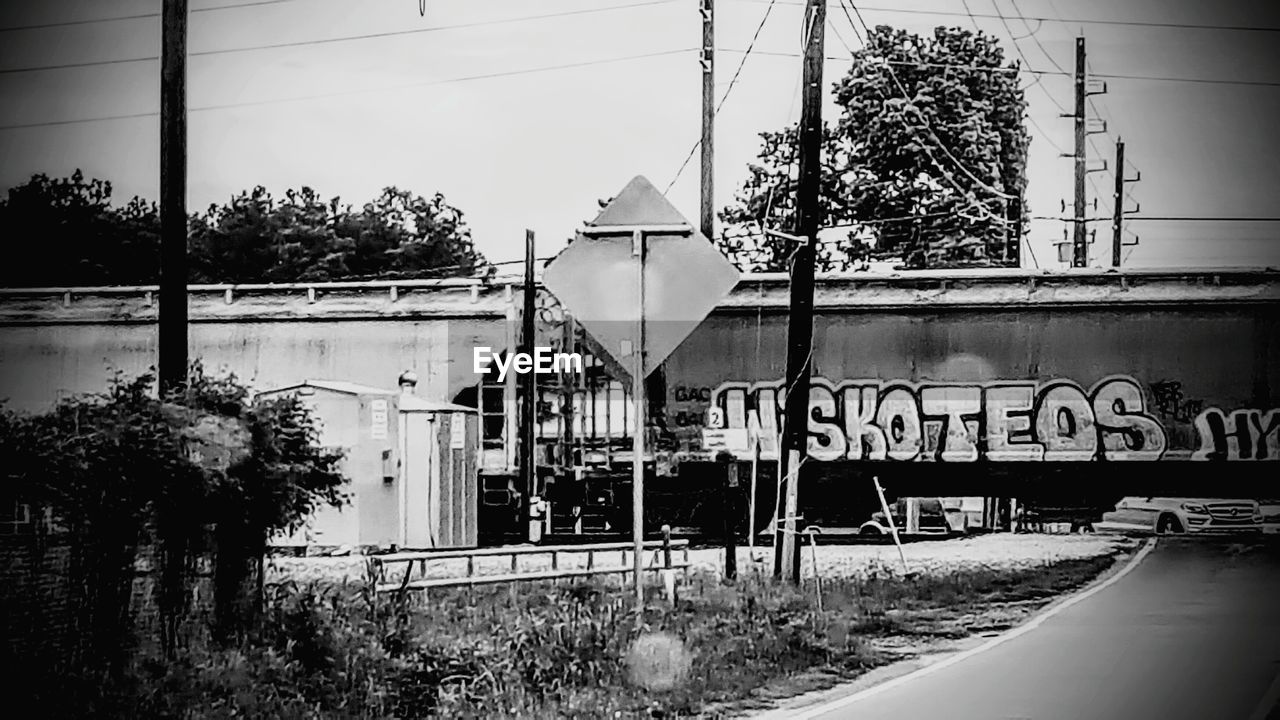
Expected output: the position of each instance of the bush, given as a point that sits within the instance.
(125, 476)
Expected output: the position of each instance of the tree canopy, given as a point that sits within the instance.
(926, 163)
(68, 232)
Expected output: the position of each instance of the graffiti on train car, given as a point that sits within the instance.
(1240, 435)
(1051, 421)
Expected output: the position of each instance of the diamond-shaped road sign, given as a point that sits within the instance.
(597, 280)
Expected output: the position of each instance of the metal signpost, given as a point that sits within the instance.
(639, 279)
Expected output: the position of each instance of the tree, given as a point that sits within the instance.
(926, 162)
(65, 231)
(254, 238)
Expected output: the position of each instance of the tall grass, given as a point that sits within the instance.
(550, 650)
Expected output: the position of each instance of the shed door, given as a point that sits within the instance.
(420, 473)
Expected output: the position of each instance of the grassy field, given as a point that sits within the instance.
(582, 651)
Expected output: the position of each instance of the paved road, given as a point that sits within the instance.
(1192, 633)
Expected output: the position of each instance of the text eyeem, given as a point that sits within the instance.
(543, 361)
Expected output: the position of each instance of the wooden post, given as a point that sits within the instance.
(528, 391)
(1080, 254)
(666, 546)
(729, 492)
(668, 575)
(800, 315)
(173, 197)
(1117, 222)
(707, 210)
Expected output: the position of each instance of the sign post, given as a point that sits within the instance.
(638, 427)
(639, 279)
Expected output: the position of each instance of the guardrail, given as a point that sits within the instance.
(662, 561)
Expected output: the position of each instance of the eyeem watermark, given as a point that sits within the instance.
(543, 361)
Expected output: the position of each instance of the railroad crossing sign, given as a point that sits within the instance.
(640, 259)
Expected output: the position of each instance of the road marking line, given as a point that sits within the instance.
(1000, 640)
(1269, 701)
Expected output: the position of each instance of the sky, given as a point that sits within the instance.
(524, 113)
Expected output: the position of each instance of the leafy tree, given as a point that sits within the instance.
(254, 238)
(66, 232)
(926, 161)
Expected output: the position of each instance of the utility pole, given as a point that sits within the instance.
(800, 322)
(707, 224)
(1013, 243)
(172, 339)
(1117, 224)
(1080, 257)
(528, 392)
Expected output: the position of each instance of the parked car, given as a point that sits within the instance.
(1183, 515)
(932, 518)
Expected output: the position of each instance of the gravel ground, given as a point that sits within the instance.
(996, 551)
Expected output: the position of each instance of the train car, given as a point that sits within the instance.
(1071, 389)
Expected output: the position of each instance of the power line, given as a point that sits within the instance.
(1206, 81)
(1033, 71)
(1202, 219)
(1060, 20)
(340, 39)
(360, 91)
(734, 81)
(1039, 79)
(139, 16)
(1044, 51)
(925, 146)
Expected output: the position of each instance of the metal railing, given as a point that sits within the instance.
(662, 561)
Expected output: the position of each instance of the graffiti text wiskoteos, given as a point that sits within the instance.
(1000, 421)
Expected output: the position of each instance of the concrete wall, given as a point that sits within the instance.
(40, 363)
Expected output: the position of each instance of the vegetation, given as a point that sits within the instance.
(124, 476)
(926, 162)
(72, 235)
(565, 651)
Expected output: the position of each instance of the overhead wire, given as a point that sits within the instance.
(924, 145)
(1038, 82)
(1039, 78)
(723, 98)
(1035, 37)
(340, 39)
(1034, 71)
(1062, 20)
(358, 91)
(137, 16)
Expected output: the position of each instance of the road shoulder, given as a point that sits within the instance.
(935, 652)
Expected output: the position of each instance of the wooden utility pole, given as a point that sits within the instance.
(1080, 256)
(800, 322)
(707, 224)
(173, 197)
(1117, 223)
(528, 392)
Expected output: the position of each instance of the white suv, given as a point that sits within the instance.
(1179, 515)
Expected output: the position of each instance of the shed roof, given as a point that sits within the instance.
(407, 403)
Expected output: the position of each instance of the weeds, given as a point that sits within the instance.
(559, 650)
